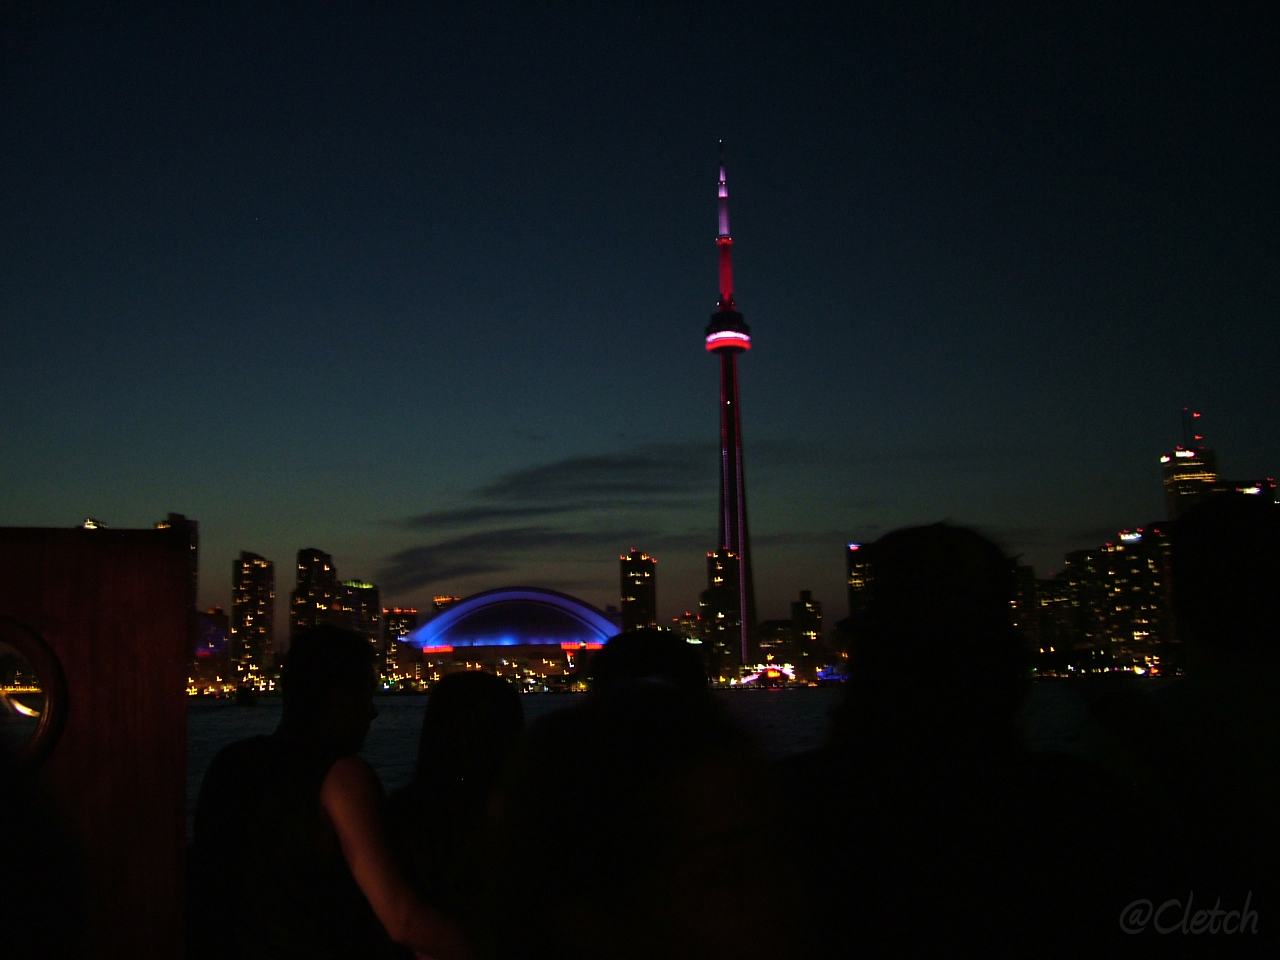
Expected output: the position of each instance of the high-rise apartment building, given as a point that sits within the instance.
(777, 641)
(806, 623)
(178, 521)
(688, 626)
(317, 598)
(253, 604)
(363, 608)
(1109, 608)
(190, 529)
(212, 670)
(396, 623)
(855, 566)
(639, 579)
(719, 610)
(1135, 616)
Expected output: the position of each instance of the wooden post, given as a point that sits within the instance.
(114, 606)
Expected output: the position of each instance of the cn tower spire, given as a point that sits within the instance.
(725, 242)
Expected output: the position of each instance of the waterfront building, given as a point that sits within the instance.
(777, 641)
(317, 598)
(190, 529)
(253, 602)
(688, 626)
(1135, 615)
(1109, 608)
(212, 669)
(806, 624)
(397, 622)
(639, 583)
(1189, 476)
(363, 609)
(1083, 575)
(1190, 473)
(727, 336)
(855, 567)
(719, 608)
(1025, 607)
(178, 521)
(1052, 644)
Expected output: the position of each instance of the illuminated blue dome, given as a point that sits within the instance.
(512, 617)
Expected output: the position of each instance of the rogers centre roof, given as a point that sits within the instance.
(513, 617)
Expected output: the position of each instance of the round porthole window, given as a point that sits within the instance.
(33, 695)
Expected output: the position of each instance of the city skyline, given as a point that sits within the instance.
(419, 287)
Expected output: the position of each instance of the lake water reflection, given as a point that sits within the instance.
(786, 721)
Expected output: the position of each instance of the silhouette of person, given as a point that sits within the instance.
(290, 858)
(641, 803)
(954, 838)
(471, 723)
(648, 655)
(1206, 747)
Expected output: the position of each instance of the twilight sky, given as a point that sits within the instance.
(426, 290)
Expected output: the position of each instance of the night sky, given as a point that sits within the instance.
(427, 290)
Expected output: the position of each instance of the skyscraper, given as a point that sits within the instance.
(363, 608)
(639, 576)
(1190, 470)
(806, 622)
(856, 577)
(1191, 473)
(317, 598)
(718, 612)
(212, 669)
(727, 336)
(178, 521)
(253, 604)
(396, 623)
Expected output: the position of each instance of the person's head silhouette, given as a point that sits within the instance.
(655, 655)
(648, 793)
(472, 720)
(934, 653)
(327, 682)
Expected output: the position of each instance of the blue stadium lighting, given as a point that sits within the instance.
(583, 623)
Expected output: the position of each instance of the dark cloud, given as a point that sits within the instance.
(471, 516)
(795, 455)
(652, 470)
(955, 453)
(495, 551)
(796, 538)
(650, 477)
(421, 567)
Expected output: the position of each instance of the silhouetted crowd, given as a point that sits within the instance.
(645, 822)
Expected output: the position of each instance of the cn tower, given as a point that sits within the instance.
(727, 336)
